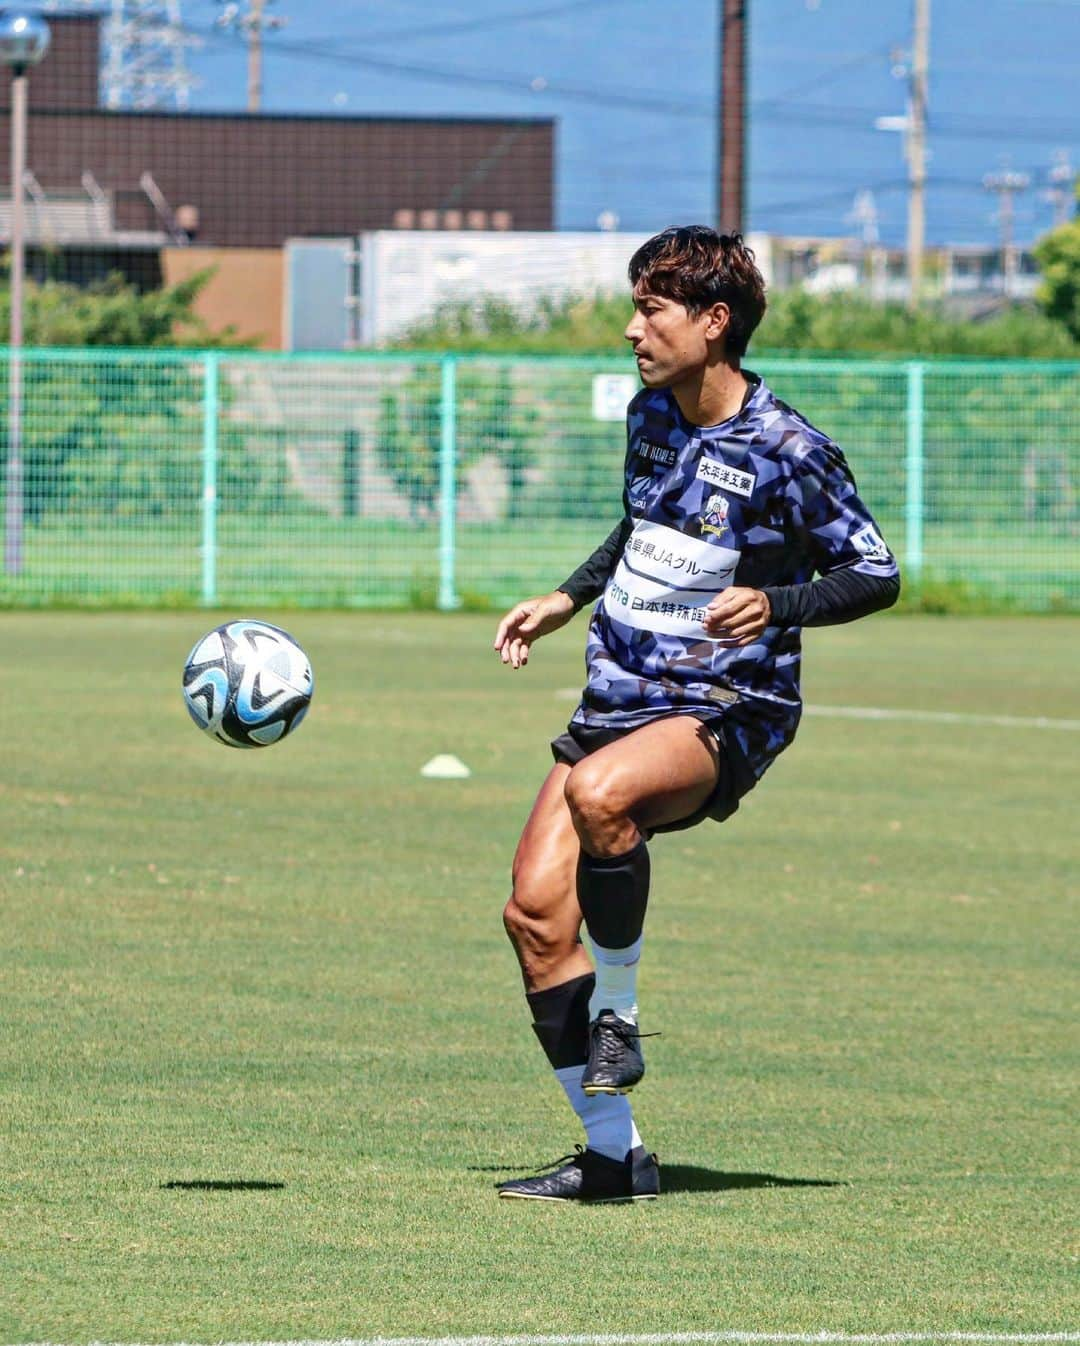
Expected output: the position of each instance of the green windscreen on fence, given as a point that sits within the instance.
(243, 480)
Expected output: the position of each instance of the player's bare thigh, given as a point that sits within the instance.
(658, 774)
(543, 917)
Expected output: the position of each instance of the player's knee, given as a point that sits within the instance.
(594, 801)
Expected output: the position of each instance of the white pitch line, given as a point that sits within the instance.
(941, 717)
(896, 713)
(674, 1339)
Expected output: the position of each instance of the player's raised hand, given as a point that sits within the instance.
(531, 619)
(737, 616)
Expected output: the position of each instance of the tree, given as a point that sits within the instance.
(1058, 256)
(121, 439)
(112, 312)
(844, 324)
(493, 420)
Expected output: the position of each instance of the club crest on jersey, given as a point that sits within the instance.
(714, 519)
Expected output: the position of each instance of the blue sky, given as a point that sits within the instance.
(632, 85)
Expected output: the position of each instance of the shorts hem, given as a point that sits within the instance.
(735, 777)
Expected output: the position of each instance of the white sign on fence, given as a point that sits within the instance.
(610, 394)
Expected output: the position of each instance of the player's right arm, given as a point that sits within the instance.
(528, 621)
(589, 579)
(536, 617)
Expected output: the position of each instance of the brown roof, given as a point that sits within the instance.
(257, 180)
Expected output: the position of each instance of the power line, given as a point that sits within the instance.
(855, 119)
(476, 79)
(514, 19)
(830, 198)
(825, 77)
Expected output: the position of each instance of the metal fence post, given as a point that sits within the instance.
(448, 597)
(209, 478)
(914, 503)
(350, 474)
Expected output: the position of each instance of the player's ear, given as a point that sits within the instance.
(718, 322)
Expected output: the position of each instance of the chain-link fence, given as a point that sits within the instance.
(386, 480)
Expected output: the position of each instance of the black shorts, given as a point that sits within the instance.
(734, 777)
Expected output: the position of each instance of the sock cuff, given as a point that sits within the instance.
(624, 957)
(614, 861)
(553, 996)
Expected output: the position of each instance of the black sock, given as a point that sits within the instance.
(613, 893)
(561, 1020)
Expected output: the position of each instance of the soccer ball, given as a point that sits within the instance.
(247, 684)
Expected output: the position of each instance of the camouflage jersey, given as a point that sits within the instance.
(763, 499)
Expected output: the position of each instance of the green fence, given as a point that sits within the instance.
(248, 480)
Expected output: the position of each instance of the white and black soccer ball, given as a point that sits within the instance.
(247, 684)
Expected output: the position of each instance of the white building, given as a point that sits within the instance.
(343, 293)
(371, 290)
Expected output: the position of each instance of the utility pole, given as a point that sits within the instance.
(255, 57)
(251, 23)
(1062, 190)
(1006, 184)
(864, 213)
(916, 151)
(24, 40)
(732, 115)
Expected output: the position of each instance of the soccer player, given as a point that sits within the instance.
(733, 503)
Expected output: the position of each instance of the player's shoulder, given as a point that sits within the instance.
(651, 415)
(793, 437)
(649, 402)
(641, 398)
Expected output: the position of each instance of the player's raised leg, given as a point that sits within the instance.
(543, 920)
(659, 774)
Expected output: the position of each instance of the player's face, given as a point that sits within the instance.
(670, 344)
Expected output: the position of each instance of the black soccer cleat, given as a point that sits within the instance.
(591, 1176)
(615, 1061)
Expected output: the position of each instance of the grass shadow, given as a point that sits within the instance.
(691, 1178)
(221, 1185)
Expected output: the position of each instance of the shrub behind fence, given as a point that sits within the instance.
(246, 480)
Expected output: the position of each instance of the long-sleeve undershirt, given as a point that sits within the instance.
(842, 595)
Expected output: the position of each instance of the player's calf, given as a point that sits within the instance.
(545, 939)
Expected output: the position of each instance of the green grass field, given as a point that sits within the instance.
(284, 972)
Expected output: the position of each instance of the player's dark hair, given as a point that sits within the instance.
(697, 267)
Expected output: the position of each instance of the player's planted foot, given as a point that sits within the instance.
(615, 1060)
(591, 1176)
